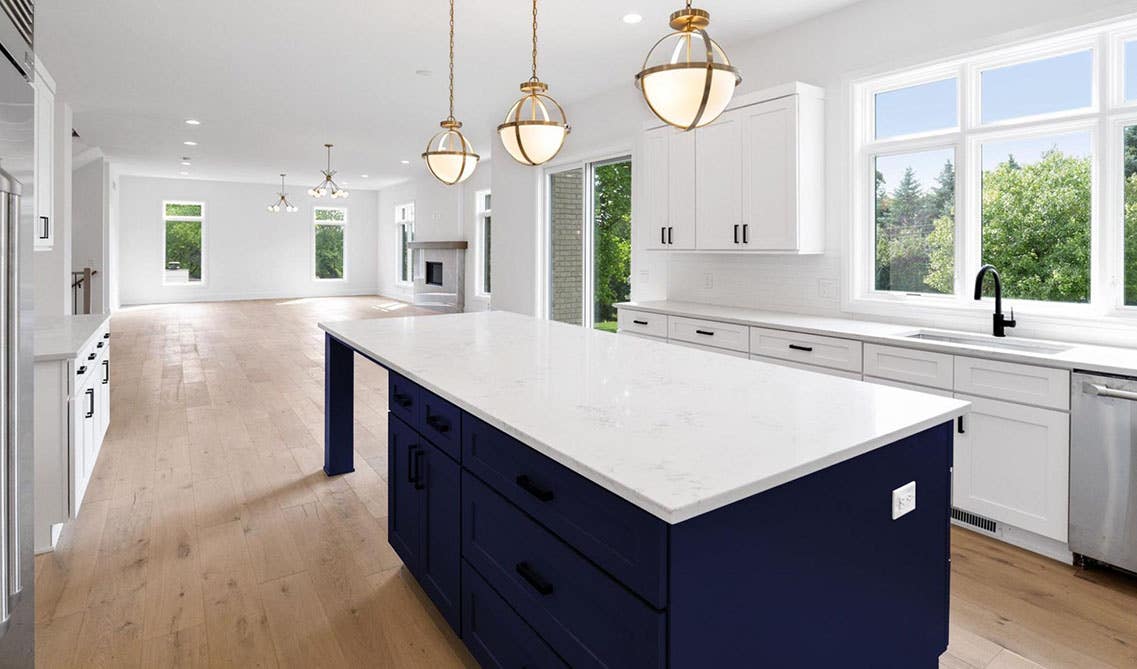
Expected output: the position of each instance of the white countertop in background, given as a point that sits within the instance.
(675, 431)
(1107, 359)
(62, 337)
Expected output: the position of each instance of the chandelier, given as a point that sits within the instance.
(328, 186)
(282, 200)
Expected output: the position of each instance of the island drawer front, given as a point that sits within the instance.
(497, 637)
(709, 333)
(1012, 382)
(642, 322)
(585, 615)
(403, 398)
(441, 423)
(811, 349)
(624, 540)
(924, 368)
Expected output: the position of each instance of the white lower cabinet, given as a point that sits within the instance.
(711, 349)
(1012, 465)
(855, 376)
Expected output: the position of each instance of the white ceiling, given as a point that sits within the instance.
(272, 81)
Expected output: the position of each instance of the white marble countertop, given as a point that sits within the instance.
(1107, 359)
(62, 337)
(675, 431)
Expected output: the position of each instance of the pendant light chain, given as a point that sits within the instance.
(534, 41)
(451, 117)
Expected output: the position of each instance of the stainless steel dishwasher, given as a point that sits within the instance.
(1103, 469)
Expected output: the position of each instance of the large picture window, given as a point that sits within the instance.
(1024, 158)
(182, 240)
(405, 230)
(328, 227)
(485, 240)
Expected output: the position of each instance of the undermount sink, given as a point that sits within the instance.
(986, 341)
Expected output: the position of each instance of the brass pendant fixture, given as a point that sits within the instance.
(530, 133)
(686, 79)
(449, 155)
(282, 200)
(328, 186)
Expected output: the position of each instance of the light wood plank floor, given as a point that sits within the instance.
(210, 536)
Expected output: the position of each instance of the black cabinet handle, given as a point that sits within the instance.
(663, 235)
(107, 335)
(46, 227)
(100, 344)
(530, 486)
(669, 238)
(438, 423)
(705, 332)
(736, 234)
(411, 464)
(959, 425)
(81, 371)
(534, 579)
(745, 233)
(640, 322)
(797, 347)
(91, 399)
(418, 456)
(106, 372)
(91, 356)
(402, 399)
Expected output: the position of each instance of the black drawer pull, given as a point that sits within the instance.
(81, 371)
(107, 336)
(91, 397)
(100, 344)
(735, 234)
(417, 457)
(705, 332)
(640, 322)
(807, 349)
(91, 356)
(46, 227)
(438, 423)
(663, 235)
(959, 425)
(534, 579)
(528, 485)
(411, 464)
(106, 372)
(402, 399)
(670, 240)
(745, 233)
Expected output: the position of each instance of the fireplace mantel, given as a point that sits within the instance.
(438, 245)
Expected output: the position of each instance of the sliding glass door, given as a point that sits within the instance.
(589, 213)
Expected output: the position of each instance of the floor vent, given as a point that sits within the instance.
(968, 518)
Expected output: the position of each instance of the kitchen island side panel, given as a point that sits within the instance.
(816, 571)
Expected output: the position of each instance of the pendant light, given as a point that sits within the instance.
(529, 133)
(282, 200)
(686, 79)
(449, 155)
(328, 186)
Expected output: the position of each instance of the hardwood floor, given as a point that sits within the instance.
(210, 536)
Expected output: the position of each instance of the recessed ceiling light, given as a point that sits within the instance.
(186, 163)
(189, 143)
(423, 73)
(192, 121)
(184, 174)
(632, 19)
(405, 162)
(363, 176)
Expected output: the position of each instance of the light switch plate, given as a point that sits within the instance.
(903, 500)
(708, 281)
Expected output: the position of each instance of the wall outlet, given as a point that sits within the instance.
(708, 281)
(903, 500)
(827, 289)
(645, 276)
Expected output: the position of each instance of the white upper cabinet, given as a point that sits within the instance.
(750, 181)
(44, 159)
(653, 173)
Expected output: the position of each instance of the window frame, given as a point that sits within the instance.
(199, 219)
(482, 213)
(312, 234)
(1104, 120)
(402, 222)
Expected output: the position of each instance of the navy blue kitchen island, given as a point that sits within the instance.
(536, 565)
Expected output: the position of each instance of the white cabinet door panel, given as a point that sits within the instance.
(681, 192)
(653, 171)
(924, 368)
(908, 386)
(852, 376)
(1013, 382)
(770, 174)
(718, 204)
(711, 349)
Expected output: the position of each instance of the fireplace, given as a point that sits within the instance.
(433, 273)
(439, 272)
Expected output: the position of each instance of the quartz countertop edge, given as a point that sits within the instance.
(1089, 357)
(63, 337)
(668, 510)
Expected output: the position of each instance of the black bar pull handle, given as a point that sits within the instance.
(402, 399)
(640, 322)
(438, 423)
(81, 371)
(798, 347)
(959, 425)
(91, 356)
(107, 335)
(663, 235)
(411, 463)
(530, 486)
(46, 227)
(100, 344)
(745, 233)
(735, 233)
(417, 457)
(106, 372)
(91, 400)
(707, 333)
(670, 240)
(534, 579)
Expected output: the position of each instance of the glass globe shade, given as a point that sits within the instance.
(530, 133)
(674, 79)
(449, 155)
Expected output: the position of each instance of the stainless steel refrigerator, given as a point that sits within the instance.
(17, 150)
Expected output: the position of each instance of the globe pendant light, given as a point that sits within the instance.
(529, 133)
(686, 79)
(328, 185)
(282, 200)
(449, 155)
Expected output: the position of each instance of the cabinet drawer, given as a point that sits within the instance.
(854, 376)
(908, 386)
(624, 540)
(586, 616)
(403, 398)
(497, 637)
(923, 368)
(441, 423)
(643, 336)
(642, 322)
(709, 333)
(811, 349)
(712, 349)
(1013, 382)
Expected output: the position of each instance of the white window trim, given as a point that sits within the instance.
(481, 215)
(312, 247)
(1105, 121)
(199, 219)
(399, 224)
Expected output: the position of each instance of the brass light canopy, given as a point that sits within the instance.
(535, 126)
(687, 79)
(282, 200)
(328, 186)
(449, 155)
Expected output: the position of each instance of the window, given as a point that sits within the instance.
(182, 240)
(329, 224)
(1002, 157)
(485, 221)
(405, 229)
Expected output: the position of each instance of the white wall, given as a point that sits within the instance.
(90, 217)
(249, 253)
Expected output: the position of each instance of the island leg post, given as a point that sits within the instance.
(339, 407)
